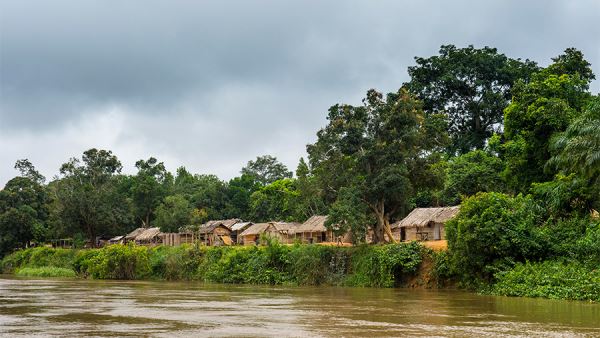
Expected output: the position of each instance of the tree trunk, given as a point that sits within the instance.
(92, 235)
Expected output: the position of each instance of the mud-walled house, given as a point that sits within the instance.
(424, 224)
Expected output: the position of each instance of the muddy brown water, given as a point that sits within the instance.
(42, 307)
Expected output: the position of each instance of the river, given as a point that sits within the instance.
(37, 307)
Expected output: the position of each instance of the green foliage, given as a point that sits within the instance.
(471, 87)
(349, 214)
(88, 196)
(382, 150)
(148, 188)
(273, 263)
(549, 279)
(266, 170)
(491, 232)
(276, 201)
(540, 108)
(384, 266)
(46, 271)
(173, 213)
(473, 172)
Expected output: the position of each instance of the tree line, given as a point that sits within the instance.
(469, 120)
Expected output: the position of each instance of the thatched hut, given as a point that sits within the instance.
(132, 235)
(237, 229)
(215, 234)
(252, 234)
(283, 231)
(424, 224)
(150, 236)
(116, 240)
(314, 231)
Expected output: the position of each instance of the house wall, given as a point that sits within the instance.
(412, 232)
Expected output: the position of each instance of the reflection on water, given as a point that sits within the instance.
(31, 307)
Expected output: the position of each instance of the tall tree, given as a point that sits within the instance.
(148, 188)
(23, 209)
(471, 86)
(539, 109)
(380, 150)
(266, 170)
(88, 195)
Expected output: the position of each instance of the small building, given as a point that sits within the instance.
(282, 231)
(237, 229)
(424, 224)
(150, 236)
(251, 235)
(214, 234)
(314, 231)
(130, 237)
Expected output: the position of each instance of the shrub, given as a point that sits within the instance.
(46, 271)
(491, 232)
(549, 279)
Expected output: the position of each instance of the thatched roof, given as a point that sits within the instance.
(240, 226)
(228, 223)
(211, 226)
(285, 227)
(148, 234)
(132, 235)
(116, 238)
(422, 216)
(313, 224)
(255, 229)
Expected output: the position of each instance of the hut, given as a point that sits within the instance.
(282, 231)
(314, 231)
(150, 236)
(215, 233)
(132, 235)
(237, 229)
(252, 233)
(424, 224)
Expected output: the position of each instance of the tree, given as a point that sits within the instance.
(380, 150)
(275, 202)
(23, 209)
(539, 109)
(88, 197)
(492, 232)
(473, 172)
(149, 187)
(239, 190)
(471, 86)
(349, 213)
(266, 170)
(173, 213)
(310, 195)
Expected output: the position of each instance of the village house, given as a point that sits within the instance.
(130, 237)
(214, 233)
(150, 236)
(252, 234)
(314, 231)
(424, 224)
(237, 229)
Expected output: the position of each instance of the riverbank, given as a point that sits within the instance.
(393, 265)
(408, 265)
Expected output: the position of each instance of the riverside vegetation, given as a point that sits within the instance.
(515, 144)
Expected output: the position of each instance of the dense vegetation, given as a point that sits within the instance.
(376, 266)
(516, 144)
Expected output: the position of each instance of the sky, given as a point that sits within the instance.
(210, 85)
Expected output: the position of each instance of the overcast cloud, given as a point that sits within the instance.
(211, 85)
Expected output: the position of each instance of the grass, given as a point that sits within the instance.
(46, 271)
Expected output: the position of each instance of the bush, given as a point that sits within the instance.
(549, 279)
(46, 271)
(38, 257)
(492, 232)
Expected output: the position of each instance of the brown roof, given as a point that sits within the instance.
(210, 227)
(255, 229)
(422, 216)
(148, 234)
(132, 235)
(313, 224)
(289, 228)
(228, 223)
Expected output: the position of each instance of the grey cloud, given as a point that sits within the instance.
(212, 84)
